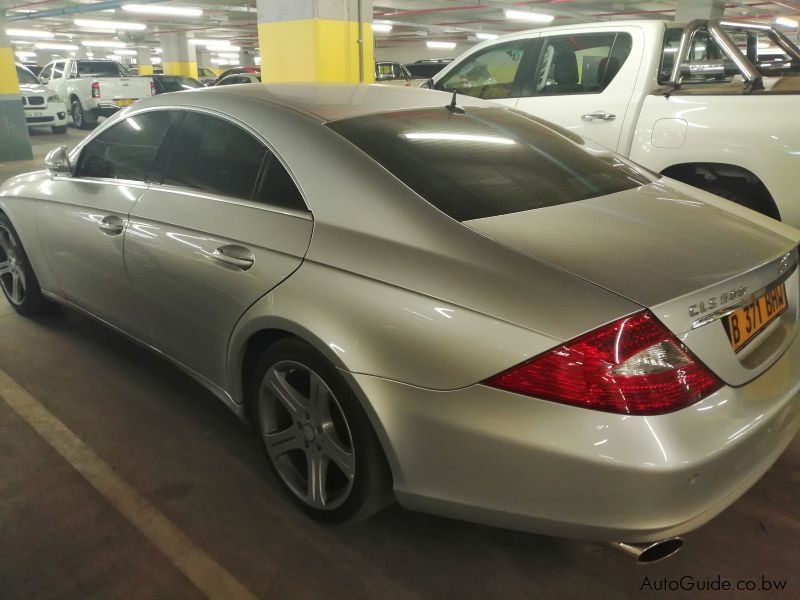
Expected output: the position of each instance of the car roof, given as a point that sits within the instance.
(321, 101)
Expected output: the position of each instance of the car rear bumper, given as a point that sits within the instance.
(495, 457)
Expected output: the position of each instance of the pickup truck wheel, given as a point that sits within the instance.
(743, 198)
(80, 118)
(59, 128)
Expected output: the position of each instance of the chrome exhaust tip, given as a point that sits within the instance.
(650, 552)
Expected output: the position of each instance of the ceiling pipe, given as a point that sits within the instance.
(74, 10)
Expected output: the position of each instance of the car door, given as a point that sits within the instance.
(225, 225)
(584, 81)
(82, 219)
(494, 72)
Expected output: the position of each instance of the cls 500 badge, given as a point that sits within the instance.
(704, 306)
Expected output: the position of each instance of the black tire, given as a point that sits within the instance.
(59, 129)
(744, 198)
(12, 254)
(370, 488)
(80, 118)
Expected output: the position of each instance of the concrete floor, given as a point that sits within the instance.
(183, 451)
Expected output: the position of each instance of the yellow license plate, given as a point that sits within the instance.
(748, 321)
(124, 102)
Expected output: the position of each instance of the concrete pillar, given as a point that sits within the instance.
(14, 141)
(699, 9)
(203, 57)
(178, 55)
(43, 57)
(143, 61)
(247, 58)
(315, 40)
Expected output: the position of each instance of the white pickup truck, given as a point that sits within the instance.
(712, 103)
(93, 88)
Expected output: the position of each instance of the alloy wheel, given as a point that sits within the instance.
(12, 270)
(306, 435)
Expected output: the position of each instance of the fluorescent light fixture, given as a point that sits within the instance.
(486, 36)
(163, 10)
(18, 42)
(786, 22)
(34, 33)
(54, 46)
(103, 44)
(257, 60)
(522, 15)
(157, 50)
(125, 52)
(762, 45)
(112, 56)
(25, 54)
(219, 61)
(155, 60)
(443, 45)
(381, 27)
(109, 25)
(209, 42)
(671, 50)
(223, 48)
(459, 137)
(90, 55)
(231, 55)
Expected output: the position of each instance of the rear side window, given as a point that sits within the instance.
(487, 162)
(489, 73)
(126, 150)
(278, 187)
(215, 156)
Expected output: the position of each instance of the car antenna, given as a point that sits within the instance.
(455, 108)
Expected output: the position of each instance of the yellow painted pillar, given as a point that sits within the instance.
(178, 55)
(143, 61)
(14, 141)
(316, 41)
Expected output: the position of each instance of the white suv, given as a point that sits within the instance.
(42, 108)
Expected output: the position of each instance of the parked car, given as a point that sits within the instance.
(718, 118)
(206, 76)
(174, 83)
(240, 78)
(236, 71)
(454, 303)
(41, 107)
(93, 88)
(427, 68)
(394, 73)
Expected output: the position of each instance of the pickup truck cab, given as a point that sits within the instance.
(712, 103)
(93, 88)
(42, 108)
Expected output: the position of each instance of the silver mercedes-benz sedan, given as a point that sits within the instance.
(431, 299)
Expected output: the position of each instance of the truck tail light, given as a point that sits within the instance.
(633, 366)
(95, 89)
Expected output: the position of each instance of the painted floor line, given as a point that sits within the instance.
(204, 572)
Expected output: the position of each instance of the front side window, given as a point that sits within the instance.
(488, 161)
(580, 64)
(26, 77)
(215, 156)
(58, 69)
(47, 72)
(488, 74)
(127, 149)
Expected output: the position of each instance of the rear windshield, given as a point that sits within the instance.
(487, 162)
(100, 68)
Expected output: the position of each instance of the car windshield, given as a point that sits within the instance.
(26, 77)
(100, 68)
(488, 161)
(177, 84)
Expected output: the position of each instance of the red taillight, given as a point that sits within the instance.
(95, 89)
(633, 366)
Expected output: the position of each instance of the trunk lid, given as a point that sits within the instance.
(669, 251)
(123, 88)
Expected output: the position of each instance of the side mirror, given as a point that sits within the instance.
(44, 80)
(57, 161)
(427, 84)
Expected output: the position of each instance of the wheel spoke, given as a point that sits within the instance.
(341, 457)
(318, 399)
(17, 288)
(283, 390)
(281, 442)
(5, 243)
(317, 475)
(5, 267)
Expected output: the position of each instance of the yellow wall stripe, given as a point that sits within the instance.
(9, 83)
(186, 69)
(314, 50)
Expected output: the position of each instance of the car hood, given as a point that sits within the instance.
(649, 244)
(31, 89)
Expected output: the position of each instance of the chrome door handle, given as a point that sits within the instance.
(112, 225)
(235, 256)
(599, 115)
